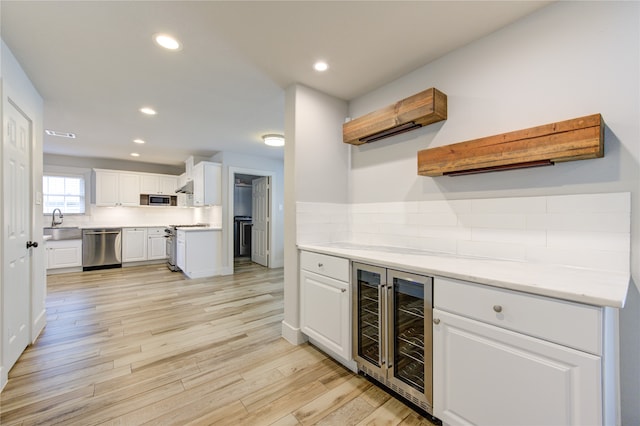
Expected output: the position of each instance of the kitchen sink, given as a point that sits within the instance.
(63, 232)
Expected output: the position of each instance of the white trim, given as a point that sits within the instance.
(292, 335)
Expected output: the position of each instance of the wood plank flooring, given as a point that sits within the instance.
(143, 345)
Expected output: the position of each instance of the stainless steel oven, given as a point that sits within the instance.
(392, 330)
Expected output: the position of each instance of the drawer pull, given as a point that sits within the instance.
(497, 308)
(320, 265)
(436, 321)
(343, 290)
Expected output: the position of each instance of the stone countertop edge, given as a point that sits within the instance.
(198, 228)
(582, 285)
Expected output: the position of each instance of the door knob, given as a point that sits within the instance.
(32, 244)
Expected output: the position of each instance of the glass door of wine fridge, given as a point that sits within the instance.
(411, 334)
(369, 317)
(392, 330)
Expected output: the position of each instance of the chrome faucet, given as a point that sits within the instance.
(54, 222)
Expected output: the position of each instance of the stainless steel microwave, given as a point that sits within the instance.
(159, 200)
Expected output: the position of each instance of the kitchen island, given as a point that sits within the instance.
(199, 251)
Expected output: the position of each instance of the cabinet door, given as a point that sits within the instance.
(64, 254)
(134, 244)
(486, 375)
(198, 185)
(167, 185)
(156, 248)
(149, 184)
(107, 188)
(129, 189)
(325, 312)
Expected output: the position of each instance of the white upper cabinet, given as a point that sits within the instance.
(207, 185)
(158, 184)
(114, 188)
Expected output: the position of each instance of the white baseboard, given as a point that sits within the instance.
(292, 335)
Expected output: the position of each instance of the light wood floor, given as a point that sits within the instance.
(143, 345)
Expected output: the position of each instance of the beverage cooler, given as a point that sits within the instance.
(392, 335)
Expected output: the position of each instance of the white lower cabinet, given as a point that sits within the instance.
(134, 244)
(198, 252)
(490, 370)
(156, 244)
(64, 254)
(325, 302)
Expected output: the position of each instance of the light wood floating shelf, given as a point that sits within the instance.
(421, 109)
(577, 139)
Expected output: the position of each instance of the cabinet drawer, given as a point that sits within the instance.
(155, 231)
(330, 266)
(566, 323)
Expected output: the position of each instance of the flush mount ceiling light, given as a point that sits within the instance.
(320, 66)
(60, 134)
(140, 141)
(148, 111)
(135, 154)
(167, 41)
(273, 140)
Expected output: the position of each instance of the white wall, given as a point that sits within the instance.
(15, 85)
(567, 60)
(316, 170)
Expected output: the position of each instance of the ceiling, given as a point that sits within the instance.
(95, 64)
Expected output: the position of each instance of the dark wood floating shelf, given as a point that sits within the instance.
(577, 139)
(421, 109)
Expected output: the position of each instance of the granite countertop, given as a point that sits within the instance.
(590, 286)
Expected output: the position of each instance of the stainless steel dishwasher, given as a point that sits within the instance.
(101, 248)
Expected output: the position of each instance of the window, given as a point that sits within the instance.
(63, 192)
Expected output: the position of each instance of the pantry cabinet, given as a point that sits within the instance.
(504, 357)
(325, 301)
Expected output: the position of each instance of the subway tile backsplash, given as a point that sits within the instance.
(584, 230)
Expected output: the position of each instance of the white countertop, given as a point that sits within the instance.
(590, 286)
(198, 228)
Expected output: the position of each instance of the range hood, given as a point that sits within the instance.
(186, 189)
(421, 109)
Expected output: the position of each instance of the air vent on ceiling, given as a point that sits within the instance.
(60, 134)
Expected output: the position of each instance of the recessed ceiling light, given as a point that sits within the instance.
(140, 141)
(273, 140)
(320, 66)
(60, 134)
(148, 111)
(135, 154)
(167, 41)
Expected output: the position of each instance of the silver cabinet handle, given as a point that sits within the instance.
(320, 265)
(436, 321)
(497, 308)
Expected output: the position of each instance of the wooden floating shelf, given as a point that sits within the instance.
(421, 109)
(577, 139)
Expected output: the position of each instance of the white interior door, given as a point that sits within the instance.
(16, 268)
(260, 217)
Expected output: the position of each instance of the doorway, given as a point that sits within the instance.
(249, 216)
